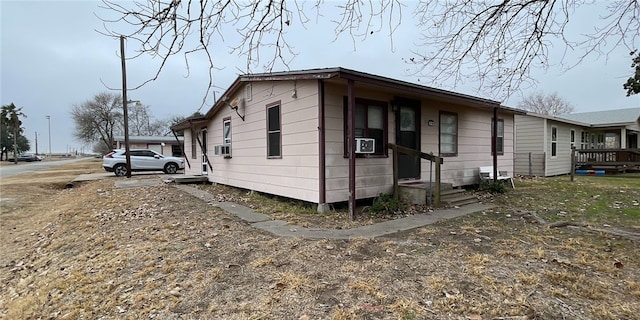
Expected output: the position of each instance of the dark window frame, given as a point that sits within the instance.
(365, 103)
(269, 132)
(499, 151)
(448, 154)
(554, 142)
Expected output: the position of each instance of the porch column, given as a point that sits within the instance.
(623, 138)
(322, 187)
(351, 146)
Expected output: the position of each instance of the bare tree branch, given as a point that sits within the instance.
(495, 43)
(549, 104)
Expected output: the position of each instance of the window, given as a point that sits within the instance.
(499, 137)
(176, 151)
(194, 143)
(600, 141)
(248, 95)
(584, 137)
(448, 134)
(371, 122)
(554, 141)
(573, 138)
(226, 131)
(274, 134)
(226, 134)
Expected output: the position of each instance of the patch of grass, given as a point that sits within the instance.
(368, 286)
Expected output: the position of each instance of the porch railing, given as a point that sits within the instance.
(604, 158)
(396, 149)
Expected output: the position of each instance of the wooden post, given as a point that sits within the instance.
(436, 196)
(573, 161)
(351, 144)
(396, 190)
(530, 164)
(125, 111)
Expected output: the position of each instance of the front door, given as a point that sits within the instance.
(204, 152)
(408, 135)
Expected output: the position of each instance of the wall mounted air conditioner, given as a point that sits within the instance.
(365, 145)
(222, 150)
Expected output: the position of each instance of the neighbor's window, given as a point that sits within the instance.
(226, 131)
(554, 141)
(573, 138)
(499, 137)
(274, 134)
(371, 119)
(448, 134)
(584, 140)
(193, 144)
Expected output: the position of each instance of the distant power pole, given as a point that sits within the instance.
(36, 142)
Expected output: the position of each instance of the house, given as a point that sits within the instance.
(543, 143)
(165, 145)
(285, 133)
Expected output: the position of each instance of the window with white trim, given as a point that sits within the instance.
(274, 133)
(226, 134)
(573, 138)
(448, 134)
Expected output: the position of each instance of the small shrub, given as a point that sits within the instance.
(493, 187)
(385, 204)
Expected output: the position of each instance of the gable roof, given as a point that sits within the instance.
(607, 117)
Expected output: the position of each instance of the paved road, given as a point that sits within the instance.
(10, 169)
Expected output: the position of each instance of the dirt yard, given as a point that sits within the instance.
(551, 249)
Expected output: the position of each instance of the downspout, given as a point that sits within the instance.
(494, 143)
(322, 197)
(351, 146)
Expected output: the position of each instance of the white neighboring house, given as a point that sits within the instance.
(285, 133)
(164, 145)
(543, 143)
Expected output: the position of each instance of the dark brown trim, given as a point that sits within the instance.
(351, 120)
(268, 106)
(454, 154)
(322, 197)
(493, 145)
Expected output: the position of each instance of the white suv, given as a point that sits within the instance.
(141, 160)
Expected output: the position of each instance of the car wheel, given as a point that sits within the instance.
(120, 170)
(170, 168)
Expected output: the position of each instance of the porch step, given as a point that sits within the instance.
(417, 192)
(457, 197)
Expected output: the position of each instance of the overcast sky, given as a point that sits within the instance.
(52, 58)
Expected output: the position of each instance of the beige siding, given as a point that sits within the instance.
(561, 163)
(295, 175)
(375, 175)
(474, 143)
(530, 147)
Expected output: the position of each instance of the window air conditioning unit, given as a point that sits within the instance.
(365, 145)
(222, 150)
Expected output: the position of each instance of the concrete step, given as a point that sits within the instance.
(417, 192)
(459, 200)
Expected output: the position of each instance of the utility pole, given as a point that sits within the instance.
(36, 143)
(124, 107)
(49, 120)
